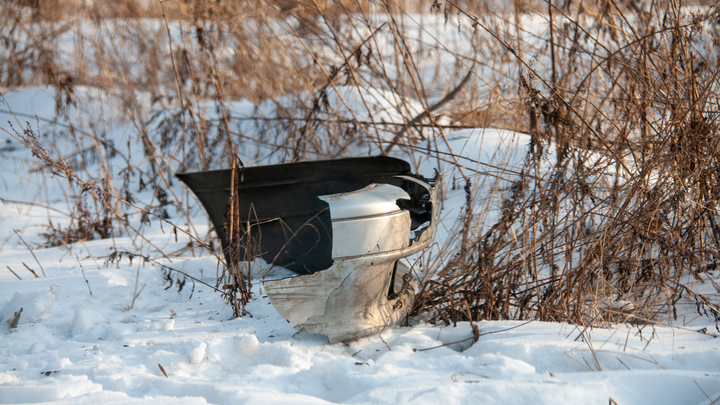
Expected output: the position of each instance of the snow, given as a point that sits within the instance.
(32, 303)
(106, 339)
(99, 331)
(96, 350)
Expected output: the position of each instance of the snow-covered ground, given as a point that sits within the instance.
(99, 331)
(77, 348)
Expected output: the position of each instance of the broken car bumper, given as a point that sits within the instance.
(340, 226)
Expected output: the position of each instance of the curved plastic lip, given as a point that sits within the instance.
(393, 254)
(367, 216)
(380, 257)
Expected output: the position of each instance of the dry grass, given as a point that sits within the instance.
(574, 243)
(623, 100)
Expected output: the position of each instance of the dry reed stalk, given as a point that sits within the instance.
(588, 246)
(624, 100)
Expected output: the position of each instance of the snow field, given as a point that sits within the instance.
(74, 348)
